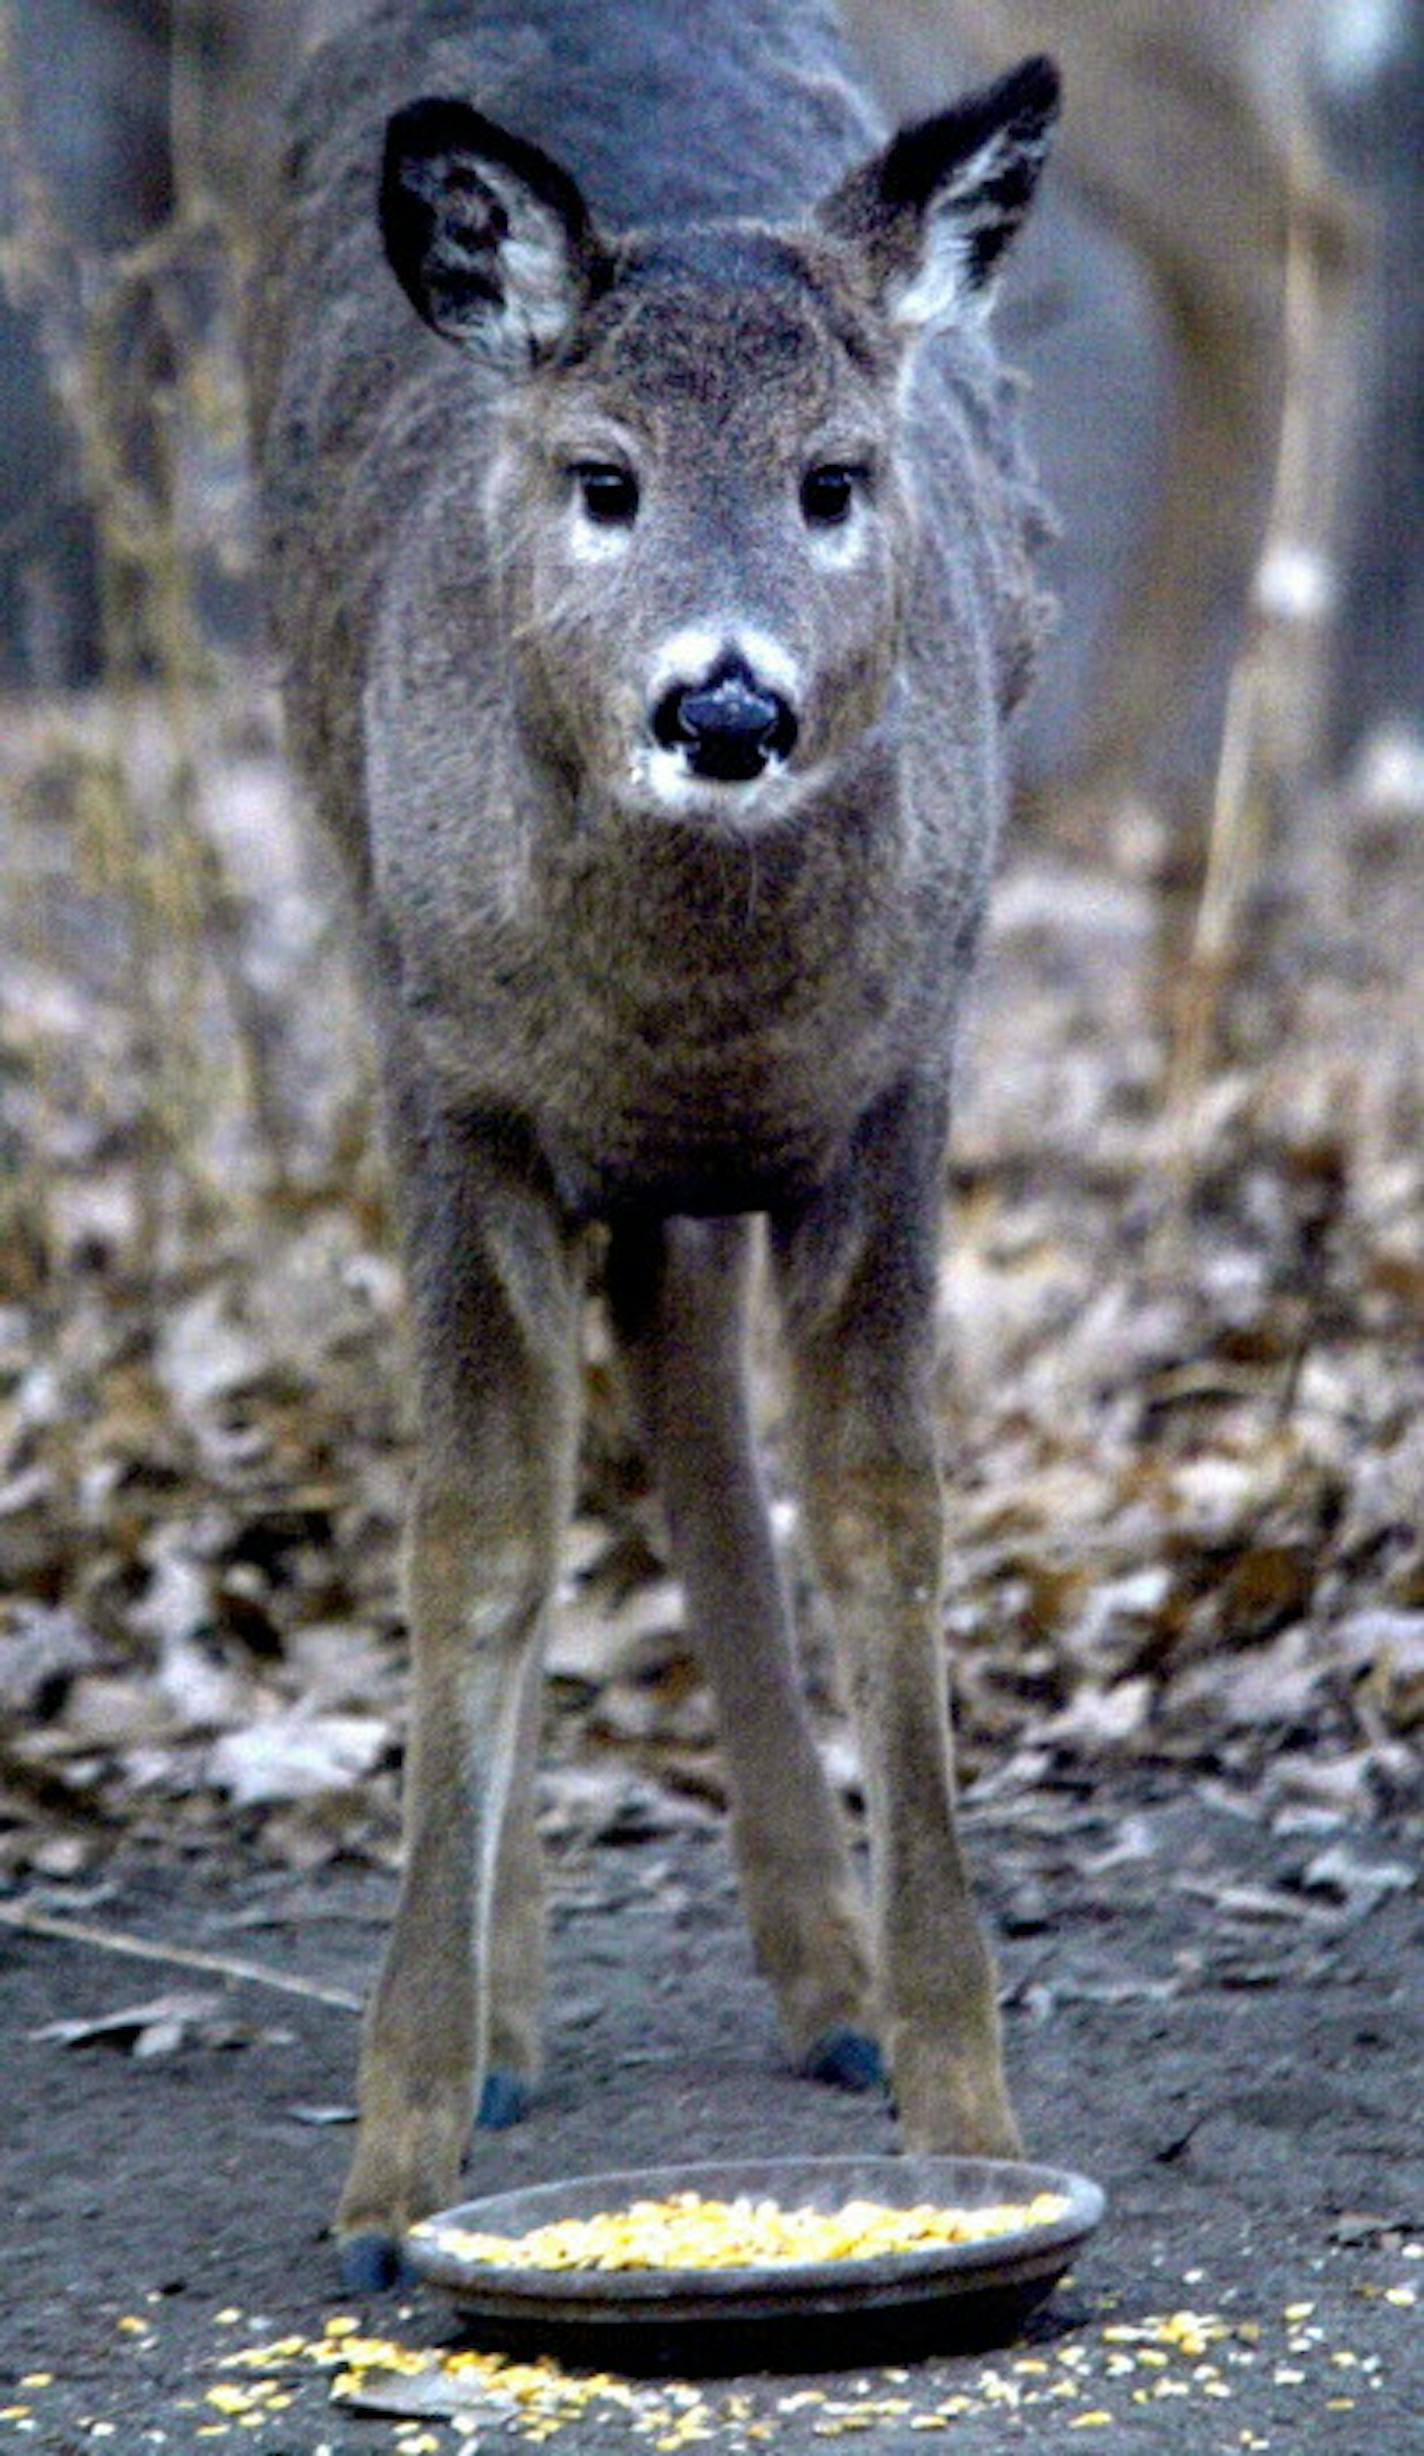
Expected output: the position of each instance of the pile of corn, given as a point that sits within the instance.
(688, 2232)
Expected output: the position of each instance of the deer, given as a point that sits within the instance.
(652, 563)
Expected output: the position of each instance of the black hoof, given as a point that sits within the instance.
(504, 2099)
(373, 2264)
(845, 2059)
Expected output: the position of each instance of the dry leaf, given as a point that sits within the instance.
(155, 2027)
(296, 1756)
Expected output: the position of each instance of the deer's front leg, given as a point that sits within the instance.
(495, 1298)
(858, 1273)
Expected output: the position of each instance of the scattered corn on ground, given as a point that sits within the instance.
(1266, 2380)
(687, 2231)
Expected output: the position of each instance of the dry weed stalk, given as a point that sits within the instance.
(1271, 731)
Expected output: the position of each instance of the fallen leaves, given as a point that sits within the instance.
(1185, 1447)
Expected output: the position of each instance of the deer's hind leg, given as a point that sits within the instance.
(857, 1271)
(678, 1292)
(515, 1987)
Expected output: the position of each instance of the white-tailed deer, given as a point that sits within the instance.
(651, 558)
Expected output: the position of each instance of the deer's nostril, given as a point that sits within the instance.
(670, 726)
(729, 726)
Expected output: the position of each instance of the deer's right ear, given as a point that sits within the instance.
(490, 240)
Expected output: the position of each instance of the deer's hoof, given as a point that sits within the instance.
(373, 2264)
(845, 2059)
(504, 2099)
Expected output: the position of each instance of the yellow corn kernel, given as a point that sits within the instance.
(688, 2232)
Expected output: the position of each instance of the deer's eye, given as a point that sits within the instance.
(828, 493)
(608, 492)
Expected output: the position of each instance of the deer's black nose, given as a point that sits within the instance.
(730, 726)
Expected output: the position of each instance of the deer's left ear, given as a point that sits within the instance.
(934, 212)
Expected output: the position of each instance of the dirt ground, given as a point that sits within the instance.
(1223, 2022)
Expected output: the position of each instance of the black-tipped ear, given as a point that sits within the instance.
(934, 213)
(490, 240)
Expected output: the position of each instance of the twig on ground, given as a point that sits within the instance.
(33, 1922)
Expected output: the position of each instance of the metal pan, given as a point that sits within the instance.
(791, 2314)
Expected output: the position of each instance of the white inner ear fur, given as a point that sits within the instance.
(942, 286)
(533, 259)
